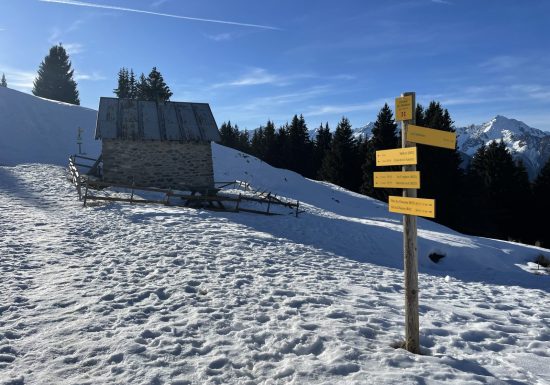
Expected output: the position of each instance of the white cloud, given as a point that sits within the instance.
(220, 37)
(441, 2)
(158, 3)
(18, 79)
(503, 63)
(134, 10)
(73, 48)
(94, 76)
(254, 77)
(346, 108)
(261, 76)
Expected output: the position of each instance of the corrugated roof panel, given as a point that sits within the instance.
(171, 124)
(129, 126)
(206, 121)
(150, 121)
(188, 121)
(107, 119)
(147, 120)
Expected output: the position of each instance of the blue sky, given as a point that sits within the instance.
(258, 60)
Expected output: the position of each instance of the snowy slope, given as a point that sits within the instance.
(33, 129)
(529, 144)
(128, 294)
(121, 294)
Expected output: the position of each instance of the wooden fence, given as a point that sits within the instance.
(211, 200)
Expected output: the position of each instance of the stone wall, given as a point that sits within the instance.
(162, 164)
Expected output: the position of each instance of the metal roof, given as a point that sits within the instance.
(147, 120)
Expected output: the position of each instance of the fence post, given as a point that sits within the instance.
(86, 193)
(132, 194)
(79, 188)
(268, 202)
(297, 207)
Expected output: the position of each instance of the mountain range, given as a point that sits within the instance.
(525, 143)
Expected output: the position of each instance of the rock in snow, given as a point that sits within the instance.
(128, 294)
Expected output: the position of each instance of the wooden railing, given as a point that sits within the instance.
(198, 197)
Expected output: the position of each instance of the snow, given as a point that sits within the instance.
(526, 143)
(34, 129)
(129, 294)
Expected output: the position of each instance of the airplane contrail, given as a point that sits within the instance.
(113, 7)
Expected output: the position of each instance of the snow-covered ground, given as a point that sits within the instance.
(129, 294)
(122, 294)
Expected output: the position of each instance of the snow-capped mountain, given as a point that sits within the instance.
(364, 131)
(529, 144)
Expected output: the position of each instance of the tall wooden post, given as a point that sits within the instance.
(410, 251)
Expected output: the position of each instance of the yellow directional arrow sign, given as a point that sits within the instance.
(412, 206)
(397, 179)
(396, 157)
(429, 136)
(404, 108)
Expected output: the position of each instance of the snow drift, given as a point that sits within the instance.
(41, 130)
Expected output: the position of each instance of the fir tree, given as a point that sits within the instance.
(270, 139)
(257, 143)
(299, 147)
(123, 89)
(156, 88)
(441, 175)
(541, 191)
(499, 193)
(55, 77)
(132, 86)
(339, 164)
(229, 135)
(321, 147)
(3, 82)
(282, 147)
(384, 137)
(142, 88)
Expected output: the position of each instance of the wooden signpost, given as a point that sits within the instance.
(397, 157)
(397, 179)
(431, 137)
(409, 204)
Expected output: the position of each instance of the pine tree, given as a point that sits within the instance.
(322, 144)
(499, 193)
(229, 135)
(156, 88)
(257, 143)
(270, 139)
(441, 175)
(339, 164)
(132, 86)
(541, 191)
(3, 82)
(142, 88)
(55, 77)
(123, 89)
(384, 137)
(282, 147)
(299, 147)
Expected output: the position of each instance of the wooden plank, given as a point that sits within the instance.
(396, 157)
(397, 179)
(404, 108)
(412, 206)
(431, 137)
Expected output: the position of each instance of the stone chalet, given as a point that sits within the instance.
(163, 145)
